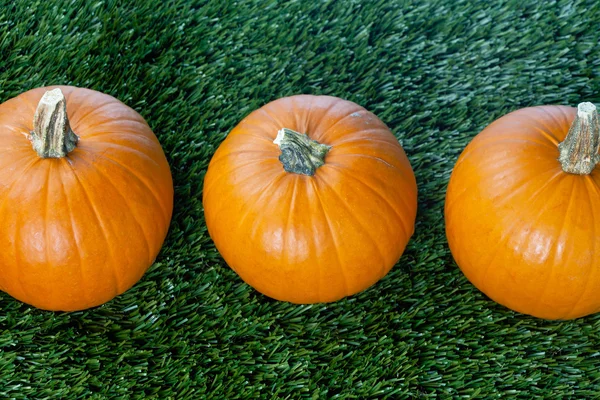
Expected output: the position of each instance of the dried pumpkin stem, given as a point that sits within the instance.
(578, 153)
(52, 136)
(299, 153)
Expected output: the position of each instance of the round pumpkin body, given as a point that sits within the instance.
(308, 238)
(80, 229)
(521, 229)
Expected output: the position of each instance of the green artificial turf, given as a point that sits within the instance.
(436, 71)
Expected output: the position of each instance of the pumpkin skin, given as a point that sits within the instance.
(521, 229)
(319, 238)
(79, 230)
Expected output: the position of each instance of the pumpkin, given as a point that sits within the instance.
(310, 199)
(520, 211)
(86, 197)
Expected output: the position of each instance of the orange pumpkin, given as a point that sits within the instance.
(310, 199)
(520, 211)
(86, 197)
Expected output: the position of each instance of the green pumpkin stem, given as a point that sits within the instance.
(52, 136)
(299, 153)
(578, 153)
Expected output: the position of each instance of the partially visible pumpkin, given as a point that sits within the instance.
(86, 197)
(521, 211)
(310, 199)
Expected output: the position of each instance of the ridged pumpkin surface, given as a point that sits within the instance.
(318, 238)
(523, 231)
(77, 231)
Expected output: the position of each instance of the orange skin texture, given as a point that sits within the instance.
(523, 231)
(311, 239)
(79, 230)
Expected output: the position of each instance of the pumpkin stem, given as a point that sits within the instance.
(52, 136)
(579, 151)
(299, 153)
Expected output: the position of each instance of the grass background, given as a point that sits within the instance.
(435, 71)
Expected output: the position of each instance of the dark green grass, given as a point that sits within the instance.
(436, 72)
